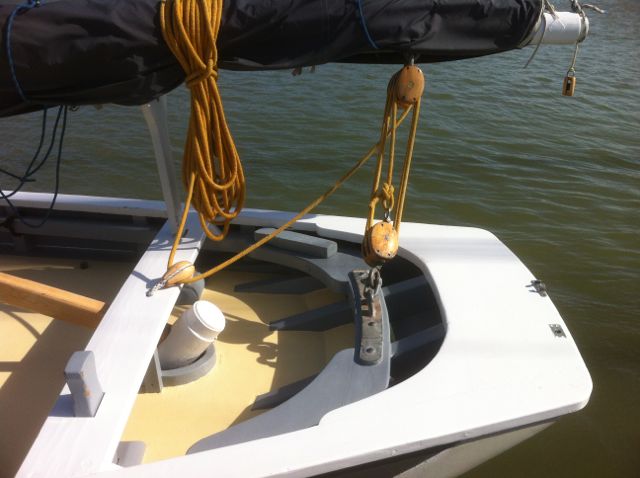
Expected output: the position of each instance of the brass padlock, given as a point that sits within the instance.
(409, 85)
(380, 244)
(569, 84)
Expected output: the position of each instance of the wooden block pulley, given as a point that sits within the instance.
(380, 244)
(409, 85)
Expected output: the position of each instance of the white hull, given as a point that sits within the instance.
(500, 368)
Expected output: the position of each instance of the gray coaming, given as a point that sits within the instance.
(341, 382)
(331, 271)
(303, 243)
(301, 284)
(400, 298)
(317, 320)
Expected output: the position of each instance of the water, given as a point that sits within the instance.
(557, 179)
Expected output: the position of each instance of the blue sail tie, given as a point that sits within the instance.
(23, 7)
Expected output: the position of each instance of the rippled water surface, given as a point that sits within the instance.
(557, 179)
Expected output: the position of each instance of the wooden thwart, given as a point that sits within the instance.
(50, 301)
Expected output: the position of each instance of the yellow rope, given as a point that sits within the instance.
(385, 192)
(211, 167)
(286, 225)
(404, 182)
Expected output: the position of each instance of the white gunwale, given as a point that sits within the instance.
(92, 204)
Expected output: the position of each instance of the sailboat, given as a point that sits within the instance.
(311, 355)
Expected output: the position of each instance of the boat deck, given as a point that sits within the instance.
(251, 359)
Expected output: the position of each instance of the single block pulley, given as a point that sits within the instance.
(380, 243)
(409, 86)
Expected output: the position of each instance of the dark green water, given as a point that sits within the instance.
(557, 179)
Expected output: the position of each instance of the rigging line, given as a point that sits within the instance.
(23, 7)
(576, 7)
(26, 177)
(575, 57)
(30, 171)
(14, 176)
(363, 23)
(551, 9)
(190, 29)
(62, 112)
(546, 6)
(345, 177)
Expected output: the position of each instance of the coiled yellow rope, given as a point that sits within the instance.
(211, 165)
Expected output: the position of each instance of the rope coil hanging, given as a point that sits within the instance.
(211, 167)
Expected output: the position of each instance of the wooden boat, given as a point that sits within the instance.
(454, 354)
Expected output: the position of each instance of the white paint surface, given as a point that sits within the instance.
(565, 28)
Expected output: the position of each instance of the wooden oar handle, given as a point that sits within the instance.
(51, 301)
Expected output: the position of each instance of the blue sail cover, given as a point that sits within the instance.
(77, 52)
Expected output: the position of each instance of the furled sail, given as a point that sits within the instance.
(78, 52)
